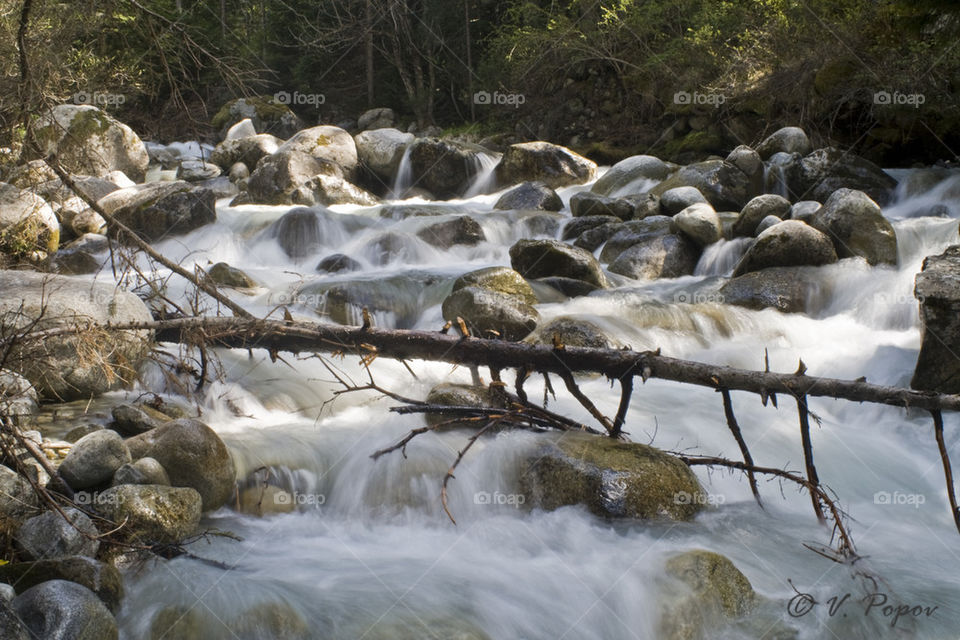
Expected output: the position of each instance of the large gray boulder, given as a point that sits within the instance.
(545, 258)
(18, 500)
(88, 141)
(291, 176)
(587, 203)
(71, 366)
(248, 150)
(826, 170)
(673, 201)
(326, 142)
(551, 164)
(94, 459)
(530, 196)
(790, 243)
(62, 610)
(855, 224)
(723, 184)
(938, 368)
(662, 256)
(633, 233)
(487, 311)
(193, 456)
(786, 289)
(268, 114)
(445, 168)
(785, 140)
(153, 513)
(158, 210)
(380, 151)
(611, 478)
(631, 175)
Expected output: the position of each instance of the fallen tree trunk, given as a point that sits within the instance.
(298, 337)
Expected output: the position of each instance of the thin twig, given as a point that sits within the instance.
(947, 470)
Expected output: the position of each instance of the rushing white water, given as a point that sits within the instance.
(484, 180)
(404, 178)
(369, 552)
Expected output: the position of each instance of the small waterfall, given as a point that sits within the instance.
(774, 180)
(721, 257)
(484, 180)
(404, 178)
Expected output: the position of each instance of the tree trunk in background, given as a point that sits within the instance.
(368, 40)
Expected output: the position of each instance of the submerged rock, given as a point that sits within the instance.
(938, 368)
(611, 478)
(544, 258)
(551, 164)
(62, 610)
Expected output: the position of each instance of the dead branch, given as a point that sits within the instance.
(738, 436)
(947, 470)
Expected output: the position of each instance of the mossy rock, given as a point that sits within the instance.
(275, 620)
(417, 628)
(268, 116)
(714, 578)
(612, 478)
(223, 274)
(574, 332)
(499, 279)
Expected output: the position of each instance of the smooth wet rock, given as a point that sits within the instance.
(756, 210)
(938, 368)
(487, 311)
(291, 176)
(49, 535)
(700, 223)
(575, 227)
(790, 243)
(193, 455)
(828, 170)
(153, 513)
(587, 203)
(804, 211)
(498, 279)
(530, 196)
(568, 287)
(158, 210)
(664, 256)
(633, 233)
(18, 501)
(62, 610)
(631, 173)
(93, 459)
(611, 478)
(72, 367)
(857, 227)
(338, 262)
(88, 141)
(381, 150)
(544, 258)
(131, 420)
(673, 201)
(248, 150)
(101, 578)
(595, 237)
(551, 164)
(462, 230)
(766, 223)
(785, 140)
(786, 289)
(223, 274)
(142, 471)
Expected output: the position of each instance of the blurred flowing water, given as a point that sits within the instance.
(369, 553)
